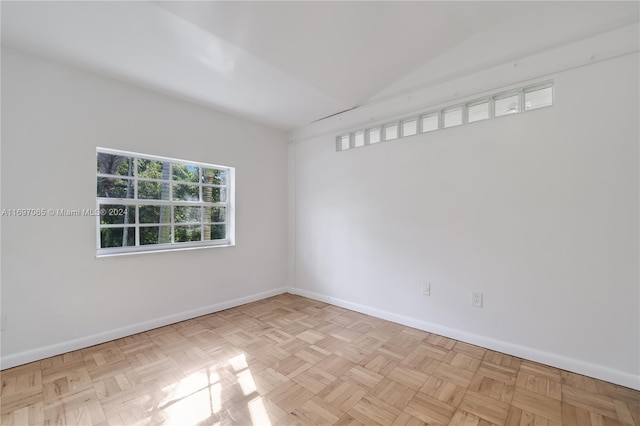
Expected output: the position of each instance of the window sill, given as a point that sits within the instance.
(164, 250)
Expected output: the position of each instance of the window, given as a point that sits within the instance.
(390, 131)
(452, 117)
(374, 135)
(409, 127)
(149, 203)
(538, 98)
(512, 101)
(507, 105)
(344, 143)
(478, 111)
(429, 122)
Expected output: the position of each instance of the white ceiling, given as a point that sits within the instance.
(291, 63)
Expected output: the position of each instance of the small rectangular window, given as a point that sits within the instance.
(429, 122)
(538, 98)
(452, 117)
(344, 142)
(510, 101)
(148, 203)
(478, 111)
(507, 105)
(374, 135)
(409, 127)
(390, 131)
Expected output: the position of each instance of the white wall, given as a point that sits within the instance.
(538, 211)
(56, 295)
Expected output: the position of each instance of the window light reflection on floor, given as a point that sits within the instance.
(193, 399)
(198, 397)
(258, 412)
(246, 382)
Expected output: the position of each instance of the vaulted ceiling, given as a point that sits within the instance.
(288, 64)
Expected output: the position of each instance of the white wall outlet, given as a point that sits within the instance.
(426, 289)
(476, 299)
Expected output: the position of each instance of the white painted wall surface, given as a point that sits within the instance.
(56, 295)
(539, 211)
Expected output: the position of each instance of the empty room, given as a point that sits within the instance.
(316, 213)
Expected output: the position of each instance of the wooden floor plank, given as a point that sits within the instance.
(288, 360)
(484, 407)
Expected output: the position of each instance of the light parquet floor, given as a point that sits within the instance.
(290, 360)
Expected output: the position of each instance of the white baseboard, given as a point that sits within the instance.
(581, 367)
(12, 360)
(559, 361)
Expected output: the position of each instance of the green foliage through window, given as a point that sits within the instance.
(150, 201)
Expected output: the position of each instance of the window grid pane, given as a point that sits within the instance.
(453, 117)
(478, 112)
(409, 127)
(507, 105)
(143, 213)
(390, 132)
(538, 98)
(374, 135)
(429, 122)
(344, 143)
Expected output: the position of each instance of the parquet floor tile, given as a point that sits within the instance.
(315, 379)
(288, 360)
(393, 393)
(409, 377)
(462, 418)
(290, 396)
(374, 411)
(485, 407)
(429, 409)
(443, 391)
(498, 373)
(317, 411)
(379, 363)
(342, 395)
(492, 388)
(535, 403)
(459, 376)
(406, 419)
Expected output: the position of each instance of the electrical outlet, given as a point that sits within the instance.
(476, 299)
(426, 289)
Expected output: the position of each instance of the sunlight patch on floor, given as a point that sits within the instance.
(195, 398)
(246, 381)
(198, 397)
(239, 362)
(258, 412)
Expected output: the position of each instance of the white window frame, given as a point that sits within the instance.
(470, 105)
(452, 109)
(435, 114)
(364, 138)
(339, 144)
(535, 88)
(388, 126)
(409, 120)
(229, 205)
(507, 95)
(440, 113)
(367, 135)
